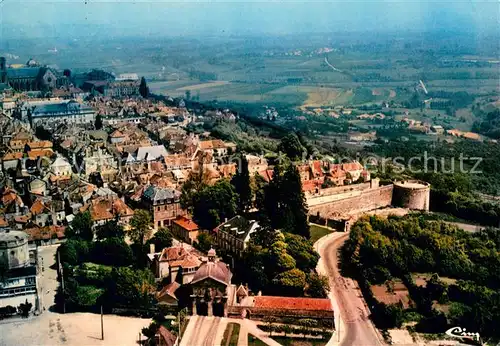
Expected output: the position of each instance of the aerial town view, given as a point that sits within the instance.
(202, 173)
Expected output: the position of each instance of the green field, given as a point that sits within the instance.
(318, 232)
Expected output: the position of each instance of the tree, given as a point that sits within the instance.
(306, 324)
(295, 213)
(259, 189)
(241, 183)
(317, 285)
(143, 88)
(161, 239)
(196, 182)
(264, 236)
(132, 288)
(273, 198)
(302, 250)
(110, 229)
(81, 227)
(113, 251)
(205, 241)
(270, 320)
(290, 283)
(213, 204)
(290, 145)
(98, 122)
(284, 201)
(188, 94)
(73, 252)
(140, 227)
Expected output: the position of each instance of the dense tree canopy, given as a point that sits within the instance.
(110, 229)
(140, 230)
(81, 227)
(161, 239)
(380, 249)
(282, 264)
(241, 183)
(284, 201)
(214, 204)
(290, 145)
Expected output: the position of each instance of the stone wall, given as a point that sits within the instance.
(412, 194)
(352, 201)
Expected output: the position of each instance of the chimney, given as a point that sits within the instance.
(152, 248)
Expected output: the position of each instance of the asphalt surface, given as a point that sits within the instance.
(357, 328)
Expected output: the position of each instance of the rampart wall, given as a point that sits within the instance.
(351, 201)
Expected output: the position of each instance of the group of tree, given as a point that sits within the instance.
(281, 264)
(382, 249)
(489, 125)
(108, 271)
(209, 204)
(283, 201)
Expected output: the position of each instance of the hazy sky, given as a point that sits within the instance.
(121, 18)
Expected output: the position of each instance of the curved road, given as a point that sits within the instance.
(354, 326)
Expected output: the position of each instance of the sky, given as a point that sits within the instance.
(66, 18)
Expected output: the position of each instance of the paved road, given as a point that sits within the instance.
(355, 328)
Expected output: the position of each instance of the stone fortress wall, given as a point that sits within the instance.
(341, 201)
(412, 194)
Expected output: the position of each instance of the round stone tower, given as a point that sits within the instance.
(411, 194)
(14, 248)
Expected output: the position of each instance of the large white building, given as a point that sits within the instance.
(71, 112)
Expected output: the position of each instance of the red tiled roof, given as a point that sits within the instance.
(168, 338)
(189, 261)
(117, 134)
(310, 185)
(169, 290)
(352, 166)
(172, 253)
(22, 218)
(104, 208)
(186, 223)
(212, 144)
(317, 168)
(40, 145)
(37, 207)
(46, 233)
(34, 154)
(12, 156)
(267, 174)
(289, 303)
